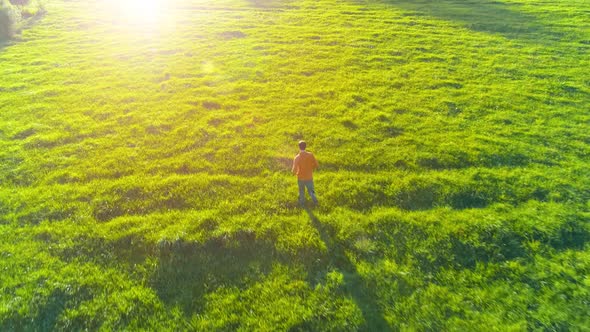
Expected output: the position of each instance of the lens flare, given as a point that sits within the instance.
(138, 12)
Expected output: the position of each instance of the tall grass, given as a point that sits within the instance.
(145, 167)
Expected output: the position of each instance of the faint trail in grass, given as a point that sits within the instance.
(362, 295)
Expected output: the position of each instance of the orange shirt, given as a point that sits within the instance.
(304, 164)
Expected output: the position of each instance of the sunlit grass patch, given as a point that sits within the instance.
(145, 153)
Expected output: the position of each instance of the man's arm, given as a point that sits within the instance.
(315, 163)
(295, 166)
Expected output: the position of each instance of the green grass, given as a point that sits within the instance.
(145, 169)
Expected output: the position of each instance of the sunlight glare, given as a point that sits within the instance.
(139, 12)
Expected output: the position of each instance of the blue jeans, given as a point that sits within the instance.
(309, 185)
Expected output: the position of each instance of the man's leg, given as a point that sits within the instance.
(311, 191)
(301, 185)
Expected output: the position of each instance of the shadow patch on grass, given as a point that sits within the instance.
(491, 17)
(431, 249)
(350, 125)
(136, 201)
(451, 250)
(45, 317)
(24, 134)
(362, 295)
(468, 199)
(281, 164)
(267, 3)
(572, 234)
(211, 105)
(232, 35)
(187, 271)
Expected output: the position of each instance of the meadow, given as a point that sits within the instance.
(145, 166)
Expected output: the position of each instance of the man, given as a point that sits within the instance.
(303, 166)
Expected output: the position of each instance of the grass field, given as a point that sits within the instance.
(145, 166)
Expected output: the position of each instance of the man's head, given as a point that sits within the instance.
(302, 145)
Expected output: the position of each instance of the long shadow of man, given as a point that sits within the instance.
(364, 297)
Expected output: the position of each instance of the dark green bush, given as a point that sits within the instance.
(13, 13)
(7, 21)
